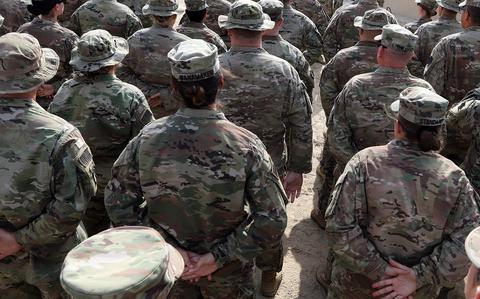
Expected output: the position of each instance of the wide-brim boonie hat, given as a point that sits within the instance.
(359, 23)
(449, 4)
(431, 6)
(228, 23)
(246, 14)
(26, 65)
(161, 8)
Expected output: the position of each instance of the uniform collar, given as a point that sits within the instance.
(245, 49)
(272, 37)
(201, 113)
(404, 144)
(449, 20)
(189, 23)
(367, 44)
(385, 70)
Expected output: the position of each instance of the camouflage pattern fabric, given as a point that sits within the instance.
(315, 11)
(70, 7)
(249, 101)
(279, 47)
(136, 6)
(301, 32)
(358, 119)
(160, 179)
(48, 179)
(201, 31)
(146, 66)
(426, 209)
(109, 15)
(215, 9)
(413, 26)
(455, 63)
(15, 13)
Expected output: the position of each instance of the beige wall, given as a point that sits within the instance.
(405, 10)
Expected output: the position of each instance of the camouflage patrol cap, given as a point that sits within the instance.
(273, 8)
(452, 5)
(25, 65)
(475, 3)
(397, 37)
(97, 49)
(246, 14)
(196, 5)
(124, 262)
(161, 8)
(429, 5)
(373, 19)
(194, 60)
(472, 247)
(421, 106)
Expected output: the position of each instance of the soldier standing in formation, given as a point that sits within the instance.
(314, 10)
(15, 13)
(70, 7)
(426, 9)
(191, 176)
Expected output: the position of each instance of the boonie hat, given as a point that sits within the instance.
(161, 8)
(25, 64)
(246, 14)
(452, 5)
(475, 3)
(430, 5)
(421, 106)
(472, 247)
(397, 37)
(97, 49)
(122, 263)
(373, 19)
(196, 5)
(194, 60)
(273, 8)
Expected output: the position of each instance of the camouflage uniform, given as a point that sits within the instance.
(107, 111)
(146, 65)
(145, 265)
(62, 40)
(15, 13)
(430, 6)
(196, 192)
(110, 15)
(136, 6)
(47, 174)
(341, 32)
(70, 7)
(315, 11)
(301, 32)
(215, 9)
(411, 206)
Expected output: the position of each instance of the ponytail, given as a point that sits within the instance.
(427, 138)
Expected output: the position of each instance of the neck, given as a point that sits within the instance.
(247, 43)
(392, 65)
(271, 32)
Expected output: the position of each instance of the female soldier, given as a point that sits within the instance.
(400, 213)
(191, 176)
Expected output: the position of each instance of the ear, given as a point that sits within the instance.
(281, 21)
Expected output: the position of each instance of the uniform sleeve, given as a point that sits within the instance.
(142, 114)
(268, 219)
(74, 24)
(72, 185)
(421, 46)
(133, 25)
(345, 216)
(222, 47)
(313, 45)
(330, 39)
(329, 87)
(449, 263)
(435, 71)
(306, 74)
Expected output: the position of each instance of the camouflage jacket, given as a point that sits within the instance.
(301, 32)
(349, 62)
(147, 66)
(116, 18)
(108, 113)
(397, 202)
(358, 119)
(215, 9)
(413, 26)
(192, 176)
(279, 47)
(70, 7)
(455, 64)
(15, 13)
(47, 177)
(201, 31)
(136, 6)
(315, 11)
(265, 95)
(341, 33)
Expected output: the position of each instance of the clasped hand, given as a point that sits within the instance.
(197, 265)
(8, 244)
(400, 282)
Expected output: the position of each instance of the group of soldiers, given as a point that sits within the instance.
(176, 144)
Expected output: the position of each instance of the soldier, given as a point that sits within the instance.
(146, 266)
(50, 34)
(400, 212)
(47, 175)
(349, 62)
(107, 111)
(315, 11)
(116, 18)
(301, 32)
(136, 6)
(146, 66)
(341, 32)
(472, 281)
(70, 7)
(192, 175)
(15, 13)
(274, 44)
(426, 10)
(455, 61)
(265, 95)
(358, 118)
(215, 9)
(194, 27)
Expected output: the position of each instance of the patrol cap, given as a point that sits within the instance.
(273, 8)
(246, 14)
(161, 8)
(25, 65)
(475, 3)
(472, 247)
(194, 60)
(452, 5)
(121, 263)
(421, 106)
(97, 49)
(373, 19)
(397, 37)
(196, 5)
(429, 5)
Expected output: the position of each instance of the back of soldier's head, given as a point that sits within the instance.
(396, 45)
